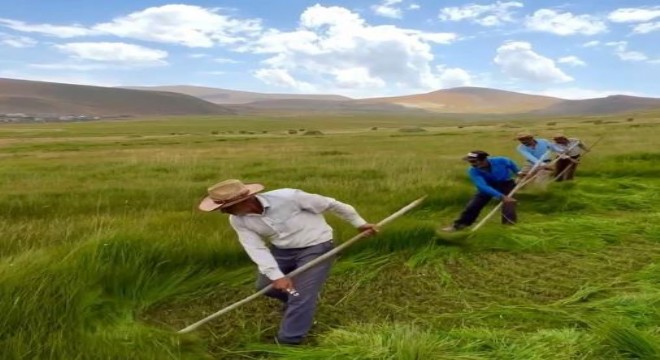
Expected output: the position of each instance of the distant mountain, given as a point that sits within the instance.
(316, 106)
(471, 100)
(224, 96)
(45, 98)
(600, 106)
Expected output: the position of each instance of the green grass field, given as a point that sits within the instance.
(103, 254)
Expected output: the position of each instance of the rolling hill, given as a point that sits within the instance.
(45, 98)
(323, 106)
(471, 100)
(224, 96)
(600, 106)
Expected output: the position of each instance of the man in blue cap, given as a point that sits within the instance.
(492, 177)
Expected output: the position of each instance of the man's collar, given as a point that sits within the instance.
(264, 203)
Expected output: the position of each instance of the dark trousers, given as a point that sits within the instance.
(299, 310)
(567, 167)
(479, 200)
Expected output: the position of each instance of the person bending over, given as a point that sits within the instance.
(493, 178)
(292, 221)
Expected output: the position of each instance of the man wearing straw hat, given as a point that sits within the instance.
(292, 221)
(569, 151)
(534, 150)
(492, 177)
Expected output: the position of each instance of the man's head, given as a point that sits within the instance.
(526, 138)
(477, 158)
(230, 196)
(560, 139)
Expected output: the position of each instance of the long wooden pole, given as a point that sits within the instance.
(303, 268)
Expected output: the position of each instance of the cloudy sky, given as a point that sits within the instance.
(358, 48)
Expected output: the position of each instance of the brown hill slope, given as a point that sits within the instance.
(224, 96)
(600, 106)
(471, 100)
(44, 98)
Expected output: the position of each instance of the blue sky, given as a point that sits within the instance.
(578, 49)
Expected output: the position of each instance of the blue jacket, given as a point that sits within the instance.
(501, 169)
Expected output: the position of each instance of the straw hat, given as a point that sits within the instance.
(559, 136)
(524, 135)
(228, 193)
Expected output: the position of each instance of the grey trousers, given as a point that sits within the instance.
(299, 310)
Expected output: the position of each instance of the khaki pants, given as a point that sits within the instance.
(542, 175)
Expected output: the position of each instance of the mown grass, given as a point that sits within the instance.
(103, 255)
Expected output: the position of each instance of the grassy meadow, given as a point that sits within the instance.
(103, 254)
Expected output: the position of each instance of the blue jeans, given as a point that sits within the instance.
(299, 310)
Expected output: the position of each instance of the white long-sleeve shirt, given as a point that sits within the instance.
(291, 219)
(571, 149)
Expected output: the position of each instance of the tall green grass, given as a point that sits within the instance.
(104, 255)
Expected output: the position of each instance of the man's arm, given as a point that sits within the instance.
(581, 145)
(527, 154)
(319, 204)
(556, 148)
(511, 165)
(483, 186)
(257, 250)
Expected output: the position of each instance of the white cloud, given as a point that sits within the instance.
(453, 77)
(74, 66)
(47, 29)
(16, 41)
(414, 7)
(186, 25)
(332, 43)
(357, 77)
(181, 24)
(485, 15)
(225, 61)
(114, 52)
(198, 55)
(518, 60)
(618, 45)
(388, 9)
(591, 43)
(631, 15)
(632, 56)
(622, 52)
(571, 60)
(551, 21)
(646, 27)
(282, 78)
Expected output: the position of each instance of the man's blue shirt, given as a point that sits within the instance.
(501, 169)
(533, 155)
